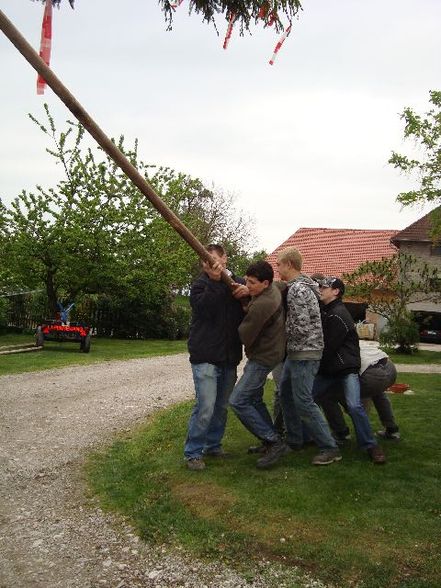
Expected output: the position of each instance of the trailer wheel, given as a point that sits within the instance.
(85, 344)
(39, 337)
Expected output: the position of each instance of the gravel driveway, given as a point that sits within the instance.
(51, 533)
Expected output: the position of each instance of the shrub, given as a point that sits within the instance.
(401, 335)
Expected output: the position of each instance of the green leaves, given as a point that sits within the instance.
(95, 234)
(426, 167)
(389, 286)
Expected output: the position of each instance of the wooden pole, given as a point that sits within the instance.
(103, 140)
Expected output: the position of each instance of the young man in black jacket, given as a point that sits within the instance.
(215, 352)
(340, 363)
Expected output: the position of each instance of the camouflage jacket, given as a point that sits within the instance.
(303, 321)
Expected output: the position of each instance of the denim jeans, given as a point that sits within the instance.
(351, 389)
(213, 386)
(373, 382)
(299, 407)
(247, 402)
(279, 425)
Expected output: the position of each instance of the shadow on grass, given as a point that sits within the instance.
(348, 523)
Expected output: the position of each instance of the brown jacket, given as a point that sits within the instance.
(262, 330)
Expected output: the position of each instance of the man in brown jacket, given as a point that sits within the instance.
(262, 332)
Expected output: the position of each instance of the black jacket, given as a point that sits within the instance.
(214, 325)
(341, 354)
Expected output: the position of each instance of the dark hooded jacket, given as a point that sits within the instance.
(341, 354)
(216, 317)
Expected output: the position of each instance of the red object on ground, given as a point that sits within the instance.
(58, 330)
(399, 388)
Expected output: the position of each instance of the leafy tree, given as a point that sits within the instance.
(425, 130)
(389, 286)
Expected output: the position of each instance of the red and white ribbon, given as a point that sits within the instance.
(280, 43)
(176, 4)
(46, 43)
(229, 29)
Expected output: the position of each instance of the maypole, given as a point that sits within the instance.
(103, 140)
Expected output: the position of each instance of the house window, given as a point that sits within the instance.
(435, 250)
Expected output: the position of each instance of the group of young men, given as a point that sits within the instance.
(298, 329)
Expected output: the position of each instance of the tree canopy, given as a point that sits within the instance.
(425, 131)
(95, 234)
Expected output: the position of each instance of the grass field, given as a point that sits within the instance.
(57, 355)
(351, 523)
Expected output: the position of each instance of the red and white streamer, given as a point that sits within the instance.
(176, 4)
(280, 43)
(46, 43)
(229, 29)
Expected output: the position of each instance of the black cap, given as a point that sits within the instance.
(334, 283)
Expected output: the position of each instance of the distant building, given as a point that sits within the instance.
(334, 252)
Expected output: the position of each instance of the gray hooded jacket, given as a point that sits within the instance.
(303, 321)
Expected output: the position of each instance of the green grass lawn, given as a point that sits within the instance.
(57, 355)
(351, 523)
(420, 357)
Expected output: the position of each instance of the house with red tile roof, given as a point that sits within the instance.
(333, 252)
(416, 239)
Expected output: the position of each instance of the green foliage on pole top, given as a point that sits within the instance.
(245, 12)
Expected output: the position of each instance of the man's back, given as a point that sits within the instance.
(216, 316)
(262, 331)
(303, 321)
(341, 354)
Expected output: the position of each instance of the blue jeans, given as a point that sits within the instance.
(247, 402)
(213, 386)
(351, 390)
(299, 407)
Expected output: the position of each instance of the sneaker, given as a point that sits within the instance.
(195, 463)
(388, 434)
(326, 457)
(274, 452)
(376, 454)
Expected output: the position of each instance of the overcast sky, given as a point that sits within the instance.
(302, 143)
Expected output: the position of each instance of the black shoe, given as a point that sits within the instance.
(295, 447)
(342, 439)
(273, 454)
(258, 448)
(392, 434)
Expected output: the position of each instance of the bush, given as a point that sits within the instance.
(401, 335)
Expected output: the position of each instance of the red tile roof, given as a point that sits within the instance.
(417, 231)
(334, 252)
